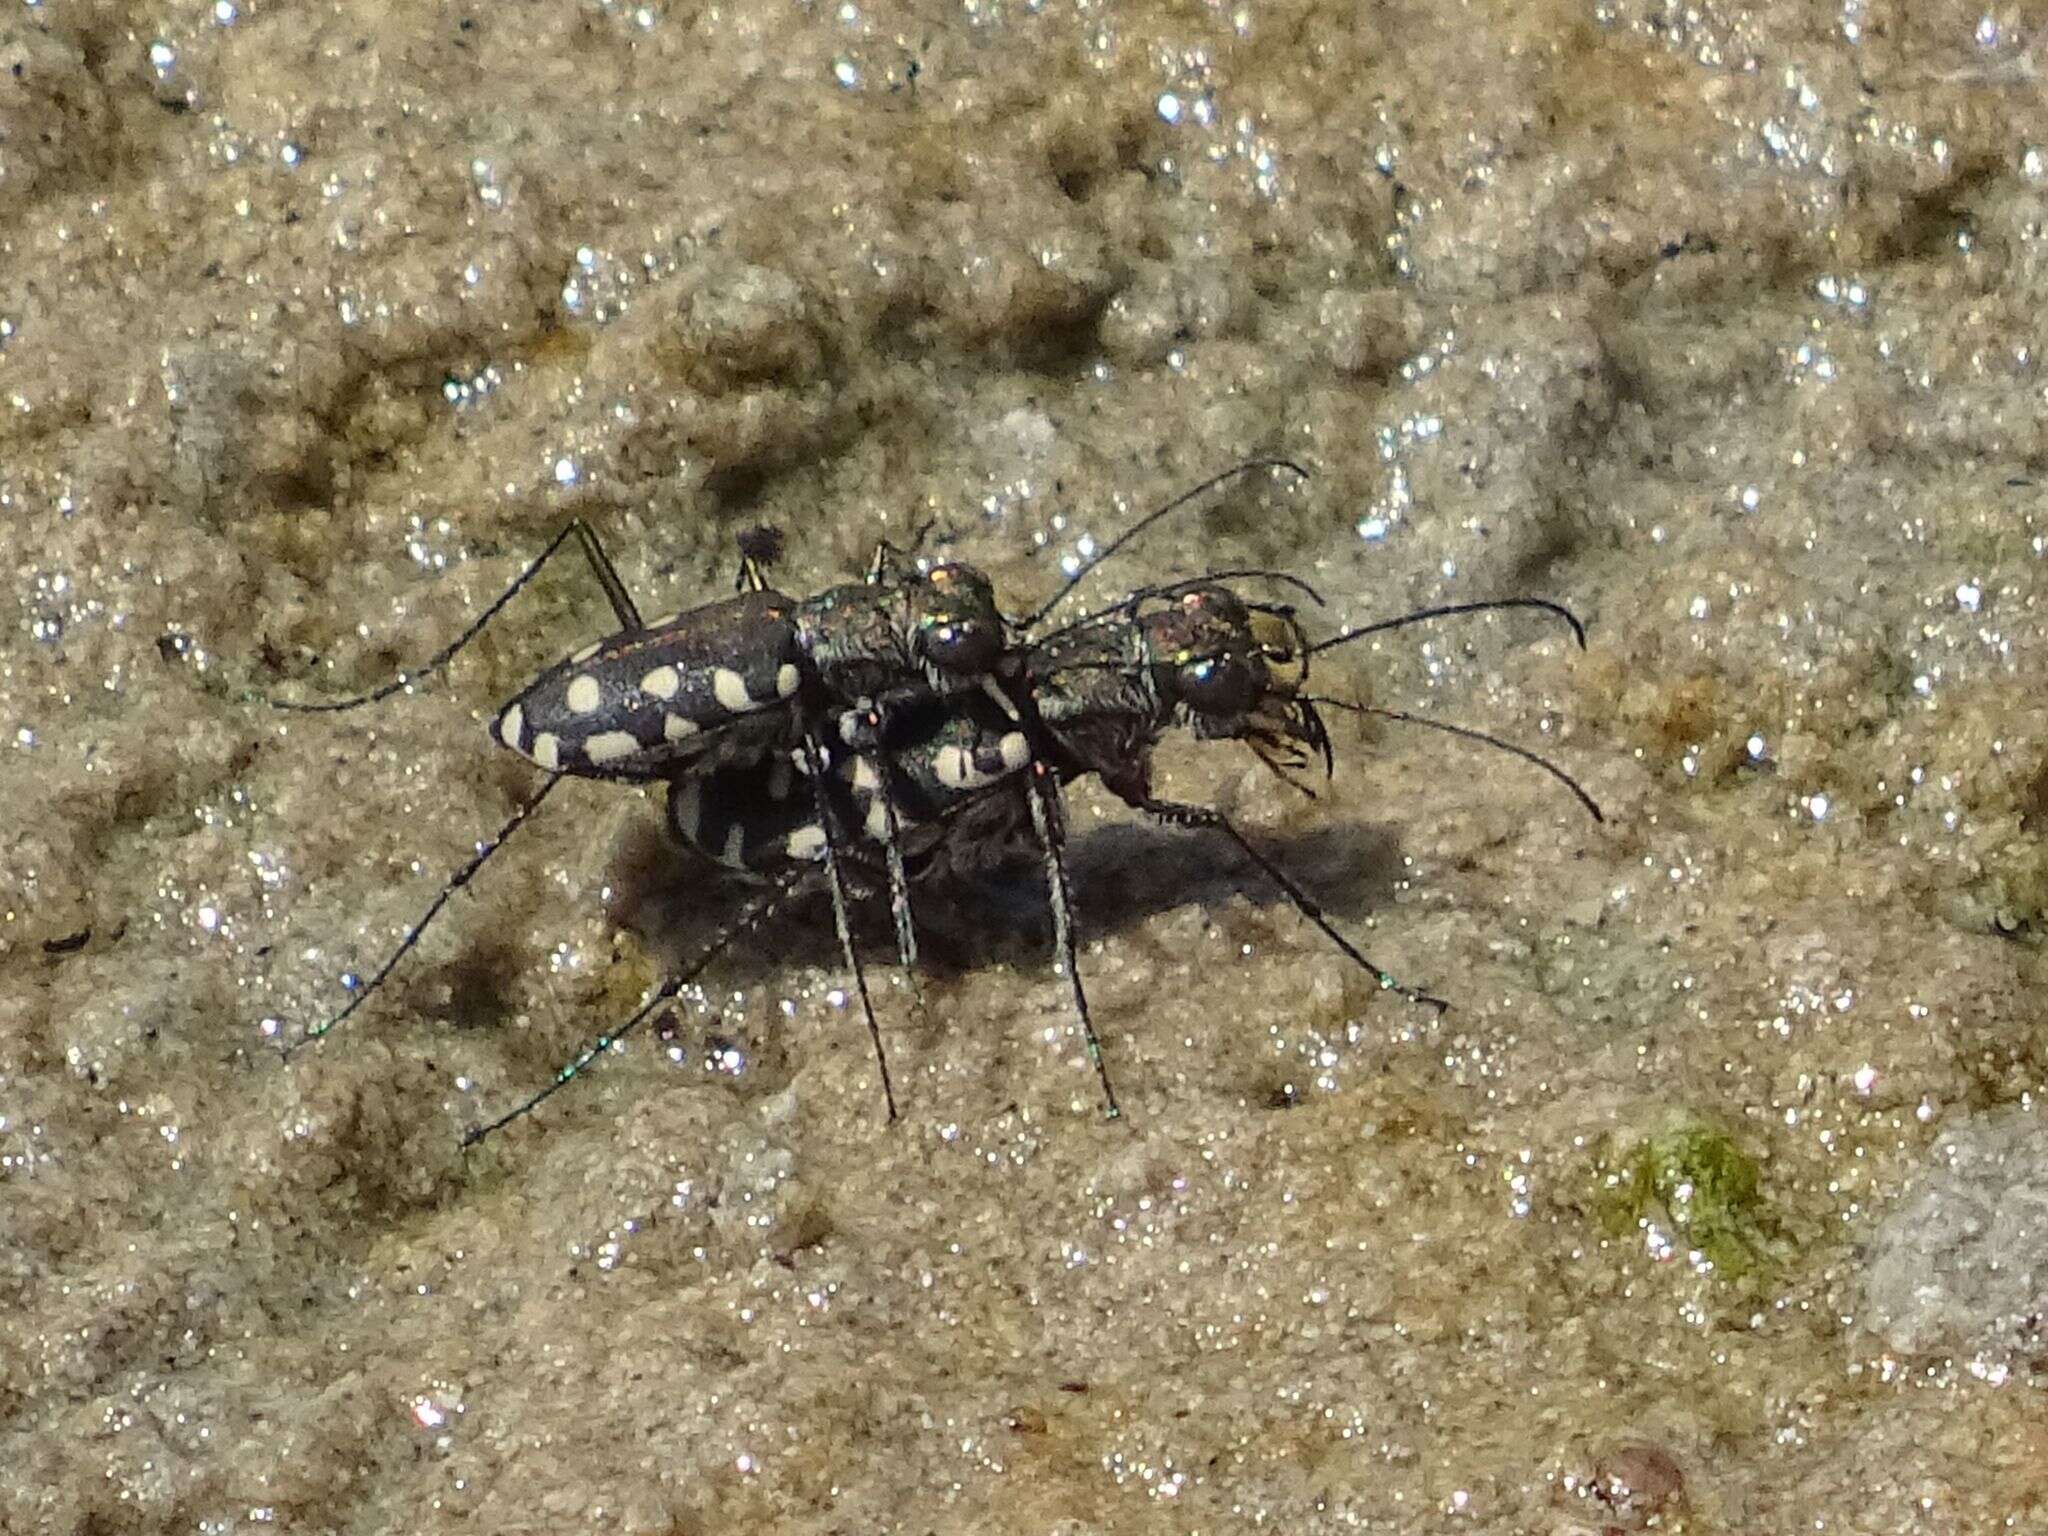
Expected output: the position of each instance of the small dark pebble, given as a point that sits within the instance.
(1638, 1484)
(762, 545)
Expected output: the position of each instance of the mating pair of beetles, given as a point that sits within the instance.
(890, 727)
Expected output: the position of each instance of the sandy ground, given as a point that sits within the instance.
(1721, 324)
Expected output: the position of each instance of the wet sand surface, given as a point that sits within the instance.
(1714, 1203)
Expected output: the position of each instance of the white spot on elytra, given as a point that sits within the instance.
(959, 768)
(805, 843)
(547, 751)
(584, 695)
(730, 689)
(878, 820)
(952, 767)
(610, 746)
(662, 683)
(865, 778)
(786, 679)
(677, 728)
(509, 726)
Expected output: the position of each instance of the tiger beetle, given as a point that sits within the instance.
(743, 683)
(964, 776)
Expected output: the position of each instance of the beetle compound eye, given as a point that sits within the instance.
(1281, 643)
(961, 631)
(962, 646)
(1218, 685)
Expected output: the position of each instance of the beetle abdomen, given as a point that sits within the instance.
(711, 685)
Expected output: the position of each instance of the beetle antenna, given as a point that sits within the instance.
(1468, 733)
(1130, 533)
(1401, 621)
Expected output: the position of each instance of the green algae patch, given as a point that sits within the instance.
(1696, 1182)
